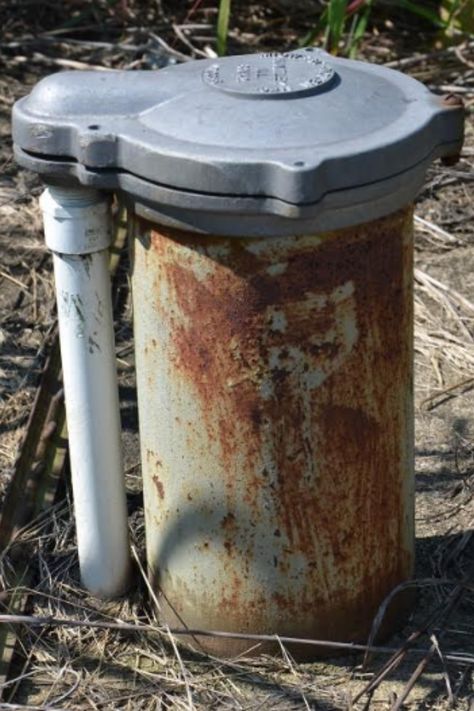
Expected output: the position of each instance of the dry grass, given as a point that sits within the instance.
(86, 667)
(443, 335)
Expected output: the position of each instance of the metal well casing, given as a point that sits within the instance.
(275, 382)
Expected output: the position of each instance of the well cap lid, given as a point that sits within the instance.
(291, 128)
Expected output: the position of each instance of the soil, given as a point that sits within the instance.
(96, 669)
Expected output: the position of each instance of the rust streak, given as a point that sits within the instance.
(159, 486)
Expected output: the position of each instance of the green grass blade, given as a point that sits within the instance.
(336, 21)
(319, 27)
(360, 30)
(223, 26)
(421, 11)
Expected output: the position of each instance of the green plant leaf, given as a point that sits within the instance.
(336, 22)
(360, 29)
(458, 14)
(451, 7)
(223, 26)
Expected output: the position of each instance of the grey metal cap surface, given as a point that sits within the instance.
(265, 143)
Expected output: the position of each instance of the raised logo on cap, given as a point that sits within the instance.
(271, 74)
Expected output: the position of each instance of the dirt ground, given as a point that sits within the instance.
(105, 669)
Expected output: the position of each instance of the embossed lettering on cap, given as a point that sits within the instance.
(271, 74)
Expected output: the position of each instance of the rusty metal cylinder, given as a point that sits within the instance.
(275, 381)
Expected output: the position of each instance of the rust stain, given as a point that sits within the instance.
(302, 375)
(159, 486)
(228, 522)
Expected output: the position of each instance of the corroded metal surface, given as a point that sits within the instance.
(275, 400)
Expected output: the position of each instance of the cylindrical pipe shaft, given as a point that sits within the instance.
(274, 382)
(77, 230)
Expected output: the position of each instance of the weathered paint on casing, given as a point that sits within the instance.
(275, 382)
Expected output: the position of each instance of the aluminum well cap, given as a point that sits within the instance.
(284, 132)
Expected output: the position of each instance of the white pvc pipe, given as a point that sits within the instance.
(77, 230)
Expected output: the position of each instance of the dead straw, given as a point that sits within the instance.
(137, 627)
